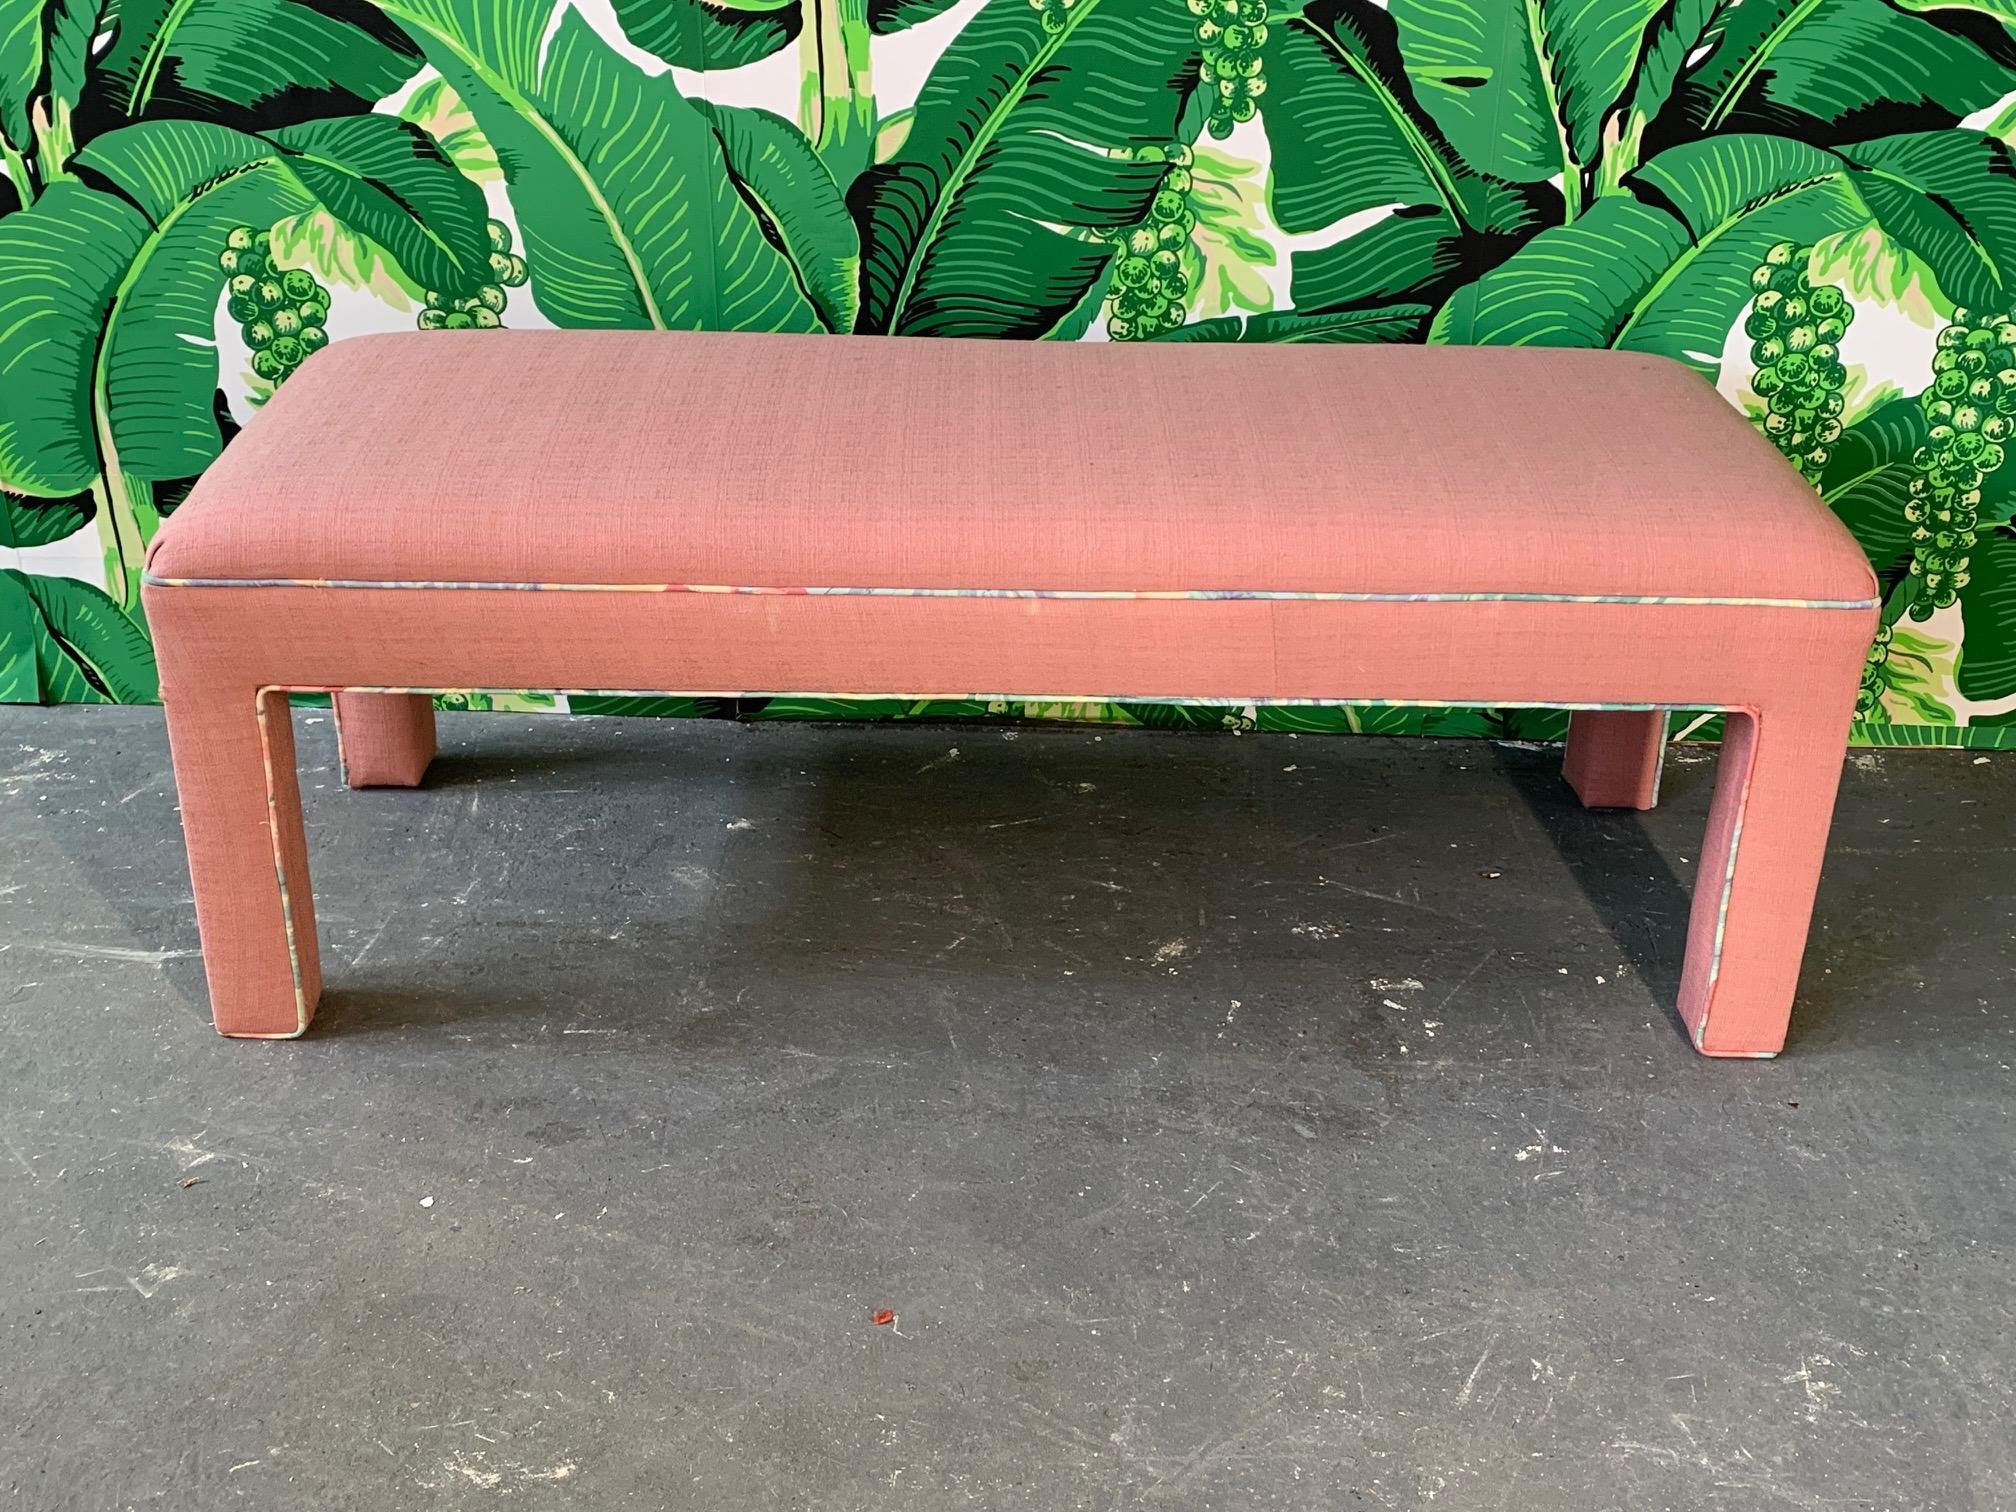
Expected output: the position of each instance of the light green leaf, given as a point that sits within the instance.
(799, 205)
(892, 131)
(622, 194)
(1918, 676)
(1869, 268)
(985, 224)
(438, 110)
(339, 257)
(1229, 252)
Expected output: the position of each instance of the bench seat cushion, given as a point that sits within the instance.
(787, 462)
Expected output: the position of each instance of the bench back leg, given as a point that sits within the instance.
(233, 749)
(385, 739)
(1613, 756)
(1760, 868)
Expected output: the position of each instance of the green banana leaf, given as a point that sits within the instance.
(702, 34)
(985, 222)
(1378, 719)
(44, 46)
(1987, 668)
(1523, 89)
(1667, 269)
(1345, 130)
(1349, 138)
(1819, 69)
(26, 521)
(1283, 327)
(1949, 196)
(799, 206)
(65, 641)
(61, 261)
(108, 300)
(620, 186)
(1992, 733)
(1868, 479)
(262, 63)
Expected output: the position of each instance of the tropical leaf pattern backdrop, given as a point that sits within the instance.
(1810, 202)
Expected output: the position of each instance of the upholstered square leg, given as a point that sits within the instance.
(384, 739)
(1613, 756)
(233, 749)
(1759, 870)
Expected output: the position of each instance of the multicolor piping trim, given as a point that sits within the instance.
(1700, 1030)
(1185, 594)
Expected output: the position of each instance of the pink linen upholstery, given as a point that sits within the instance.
(720, 514)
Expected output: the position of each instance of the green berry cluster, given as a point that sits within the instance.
(1149, 284)
(1970, 412)
(1052, 12)
(483, 310)
(284, 311)
(1869, 697)
(1796, 330)
(1232, 32)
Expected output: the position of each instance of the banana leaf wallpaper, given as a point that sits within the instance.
(1810, 202)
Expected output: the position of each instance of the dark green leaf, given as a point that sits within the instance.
(1348, 138)
(64, 257)
(264, 62)
(1523, 89)
(621, 190)
(715, 34)
(1827, 72)
(1394, 323)
(701, 34)
(1949, 196)
(986, 222)
(799, 205)
(1868, 479)
(81, 647)
(44, 45)
(1412, 252)
(1987, 668)
(26, 521)
(389, 182)
(1669, 270)
(1345, 131)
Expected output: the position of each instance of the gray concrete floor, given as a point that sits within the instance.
(1228, 1123)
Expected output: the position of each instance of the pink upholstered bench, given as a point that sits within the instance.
(718, 513)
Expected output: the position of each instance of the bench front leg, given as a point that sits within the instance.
(384, 739)
(233, 749)
(1613, 756)
(1760, 868)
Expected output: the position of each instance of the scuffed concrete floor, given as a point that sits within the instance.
(1229, 1123)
